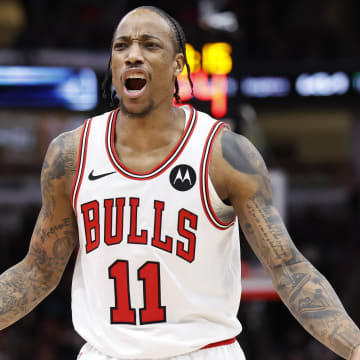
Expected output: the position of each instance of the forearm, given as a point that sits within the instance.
(314, 303)
(21, 288)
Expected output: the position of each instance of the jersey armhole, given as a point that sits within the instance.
(222, 210)
(80, 163)
(204, 179)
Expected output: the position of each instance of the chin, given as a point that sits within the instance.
(136, 110)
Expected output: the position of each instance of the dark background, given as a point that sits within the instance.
(312, 142)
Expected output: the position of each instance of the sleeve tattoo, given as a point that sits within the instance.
(25, 284)
(306, 292)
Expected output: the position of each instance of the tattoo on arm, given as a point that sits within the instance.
(242, 156)
(27, 283)
(315, 304)
(306, 292)
(63, 164)
(50, 261)
(238, 154)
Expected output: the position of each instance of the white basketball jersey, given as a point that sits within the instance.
(157, 272)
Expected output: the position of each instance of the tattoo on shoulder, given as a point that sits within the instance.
(59, 164)
(241, 154)
(63, 153)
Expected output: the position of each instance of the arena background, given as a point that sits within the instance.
(284, 73)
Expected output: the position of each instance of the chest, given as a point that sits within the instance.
(143, 160)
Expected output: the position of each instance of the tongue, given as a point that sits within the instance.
(135, 84)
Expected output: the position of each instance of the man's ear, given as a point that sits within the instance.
(179, 64)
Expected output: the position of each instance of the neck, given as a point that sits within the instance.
(151, 130)
(158, 116)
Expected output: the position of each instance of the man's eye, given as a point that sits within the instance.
(119, 46)
(150, 45)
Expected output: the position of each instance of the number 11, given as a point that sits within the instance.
(122, 312)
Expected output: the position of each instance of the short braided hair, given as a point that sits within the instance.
(180, 46)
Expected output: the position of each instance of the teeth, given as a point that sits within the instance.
(136, 76)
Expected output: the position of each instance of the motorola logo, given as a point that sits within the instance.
(182, 177)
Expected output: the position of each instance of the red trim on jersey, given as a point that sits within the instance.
(81, 162)
(204, 177)
(219, 343)
(78, 163)
(261, 294)
(112, 114)
(160, 168)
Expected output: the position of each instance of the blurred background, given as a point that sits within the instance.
(286, 74)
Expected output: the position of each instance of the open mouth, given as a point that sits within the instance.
(135, 83)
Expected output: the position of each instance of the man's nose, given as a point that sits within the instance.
(134, 55)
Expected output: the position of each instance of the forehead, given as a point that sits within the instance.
(144, 21)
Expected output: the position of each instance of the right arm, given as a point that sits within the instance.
(27, 283)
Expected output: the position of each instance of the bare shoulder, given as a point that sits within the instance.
(60, 162)
(237, 169)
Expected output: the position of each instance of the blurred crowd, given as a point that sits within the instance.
(264, 29)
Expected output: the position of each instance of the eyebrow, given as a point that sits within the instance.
(142, 37)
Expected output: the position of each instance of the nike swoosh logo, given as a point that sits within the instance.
(95, 177)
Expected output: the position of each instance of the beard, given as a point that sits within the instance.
(140, 113)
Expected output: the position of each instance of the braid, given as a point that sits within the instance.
(182, 41)
(180, 46)
(106, 86)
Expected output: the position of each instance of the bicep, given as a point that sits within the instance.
(55, 234)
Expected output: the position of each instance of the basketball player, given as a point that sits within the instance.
(152, 195)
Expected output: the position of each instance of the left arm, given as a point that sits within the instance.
(306, 293)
